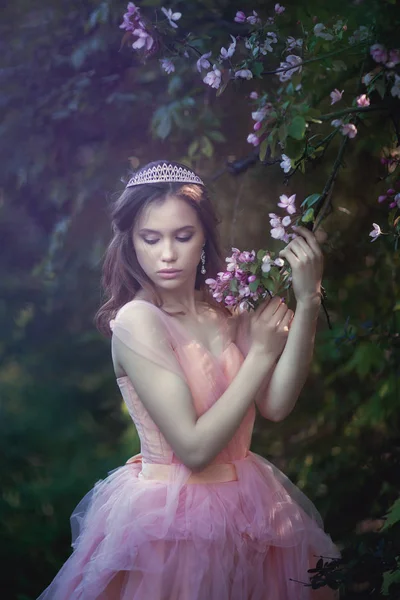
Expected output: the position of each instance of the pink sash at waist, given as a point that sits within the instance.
(216, 473)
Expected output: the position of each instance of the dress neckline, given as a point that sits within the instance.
(190, 340)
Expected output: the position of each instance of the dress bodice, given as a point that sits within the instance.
(207, 377)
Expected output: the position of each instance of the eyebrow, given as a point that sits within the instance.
(146, 230)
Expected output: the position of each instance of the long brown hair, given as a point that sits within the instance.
(122, 276)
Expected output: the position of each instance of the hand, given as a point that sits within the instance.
(305, 257)
(270, 325)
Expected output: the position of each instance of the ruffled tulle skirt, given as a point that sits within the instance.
(249, 539)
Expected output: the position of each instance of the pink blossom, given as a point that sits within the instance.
(171, 16)
(257, 125)
(266, 264)
(213, 78)
(252, 138)
(382, 198)
(349, 129)
(279, 9)
(292, 43)
(397, 199)
(363, 100)
(254, 18)
(251, 278)
(395, 91)
(319, 31)
(336, 96)
(394, 58)
(244, 73)
(211, 282)
(246, 256)
(254, 95)
(227, 53)
(288, 203)
(131, 17)
(230, 300)
(240, 17)
(376, 232)
(127, 24)
(337, 122)
(167, 65)
(286, 221)
(132, 9)
(391, 192)
(203, 63)
(367, 78)
(244, 291)
(279, 262)
(278, 233)
(379, 53)
(291, 61)
(275, 221)
(259, 115)
(144, 39)
(286, 163)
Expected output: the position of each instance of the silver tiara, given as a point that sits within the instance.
(164, 173)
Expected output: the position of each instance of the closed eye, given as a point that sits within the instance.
(183, 239)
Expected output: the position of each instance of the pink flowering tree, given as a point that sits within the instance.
(316, 89)
(306, 85)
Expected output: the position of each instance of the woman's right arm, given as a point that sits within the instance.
(167, 398)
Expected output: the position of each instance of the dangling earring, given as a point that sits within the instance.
(203, 262)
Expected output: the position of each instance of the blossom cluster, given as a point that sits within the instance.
(132, 22)
(249, 278)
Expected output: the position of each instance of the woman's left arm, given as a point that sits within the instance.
(277, 398)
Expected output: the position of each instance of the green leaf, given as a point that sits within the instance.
(262, 253)
(310, 200)
(393, 515)
(206, 147)
(263, 150)
(193, 148)
(308, 216)
(233, 285)
(222, 88)
(297, 128)
(390, 578)
(174, 84)
(294, 148)
(162, 122)
(217, 136)
(380, 87)
(257, 69)
(254, 285)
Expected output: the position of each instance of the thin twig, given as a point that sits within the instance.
(325, 198)
(346, 111)
(309, 60)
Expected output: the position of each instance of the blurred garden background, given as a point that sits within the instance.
(80, 110)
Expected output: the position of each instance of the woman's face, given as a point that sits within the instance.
(169, 235)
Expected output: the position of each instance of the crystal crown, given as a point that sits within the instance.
(164, 173)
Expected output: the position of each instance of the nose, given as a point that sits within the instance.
(168, 253)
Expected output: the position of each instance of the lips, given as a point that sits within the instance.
(170, 271)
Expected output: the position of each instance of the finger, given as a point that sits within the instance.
(287, 321)
(309, 236)
(290, 256)
(301, 248)
(280, 311)
(261, 307)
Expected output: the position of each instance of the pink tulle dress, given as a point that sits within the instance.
(155, 530)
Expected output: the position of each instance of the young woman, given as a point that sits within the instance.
(196, 515)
